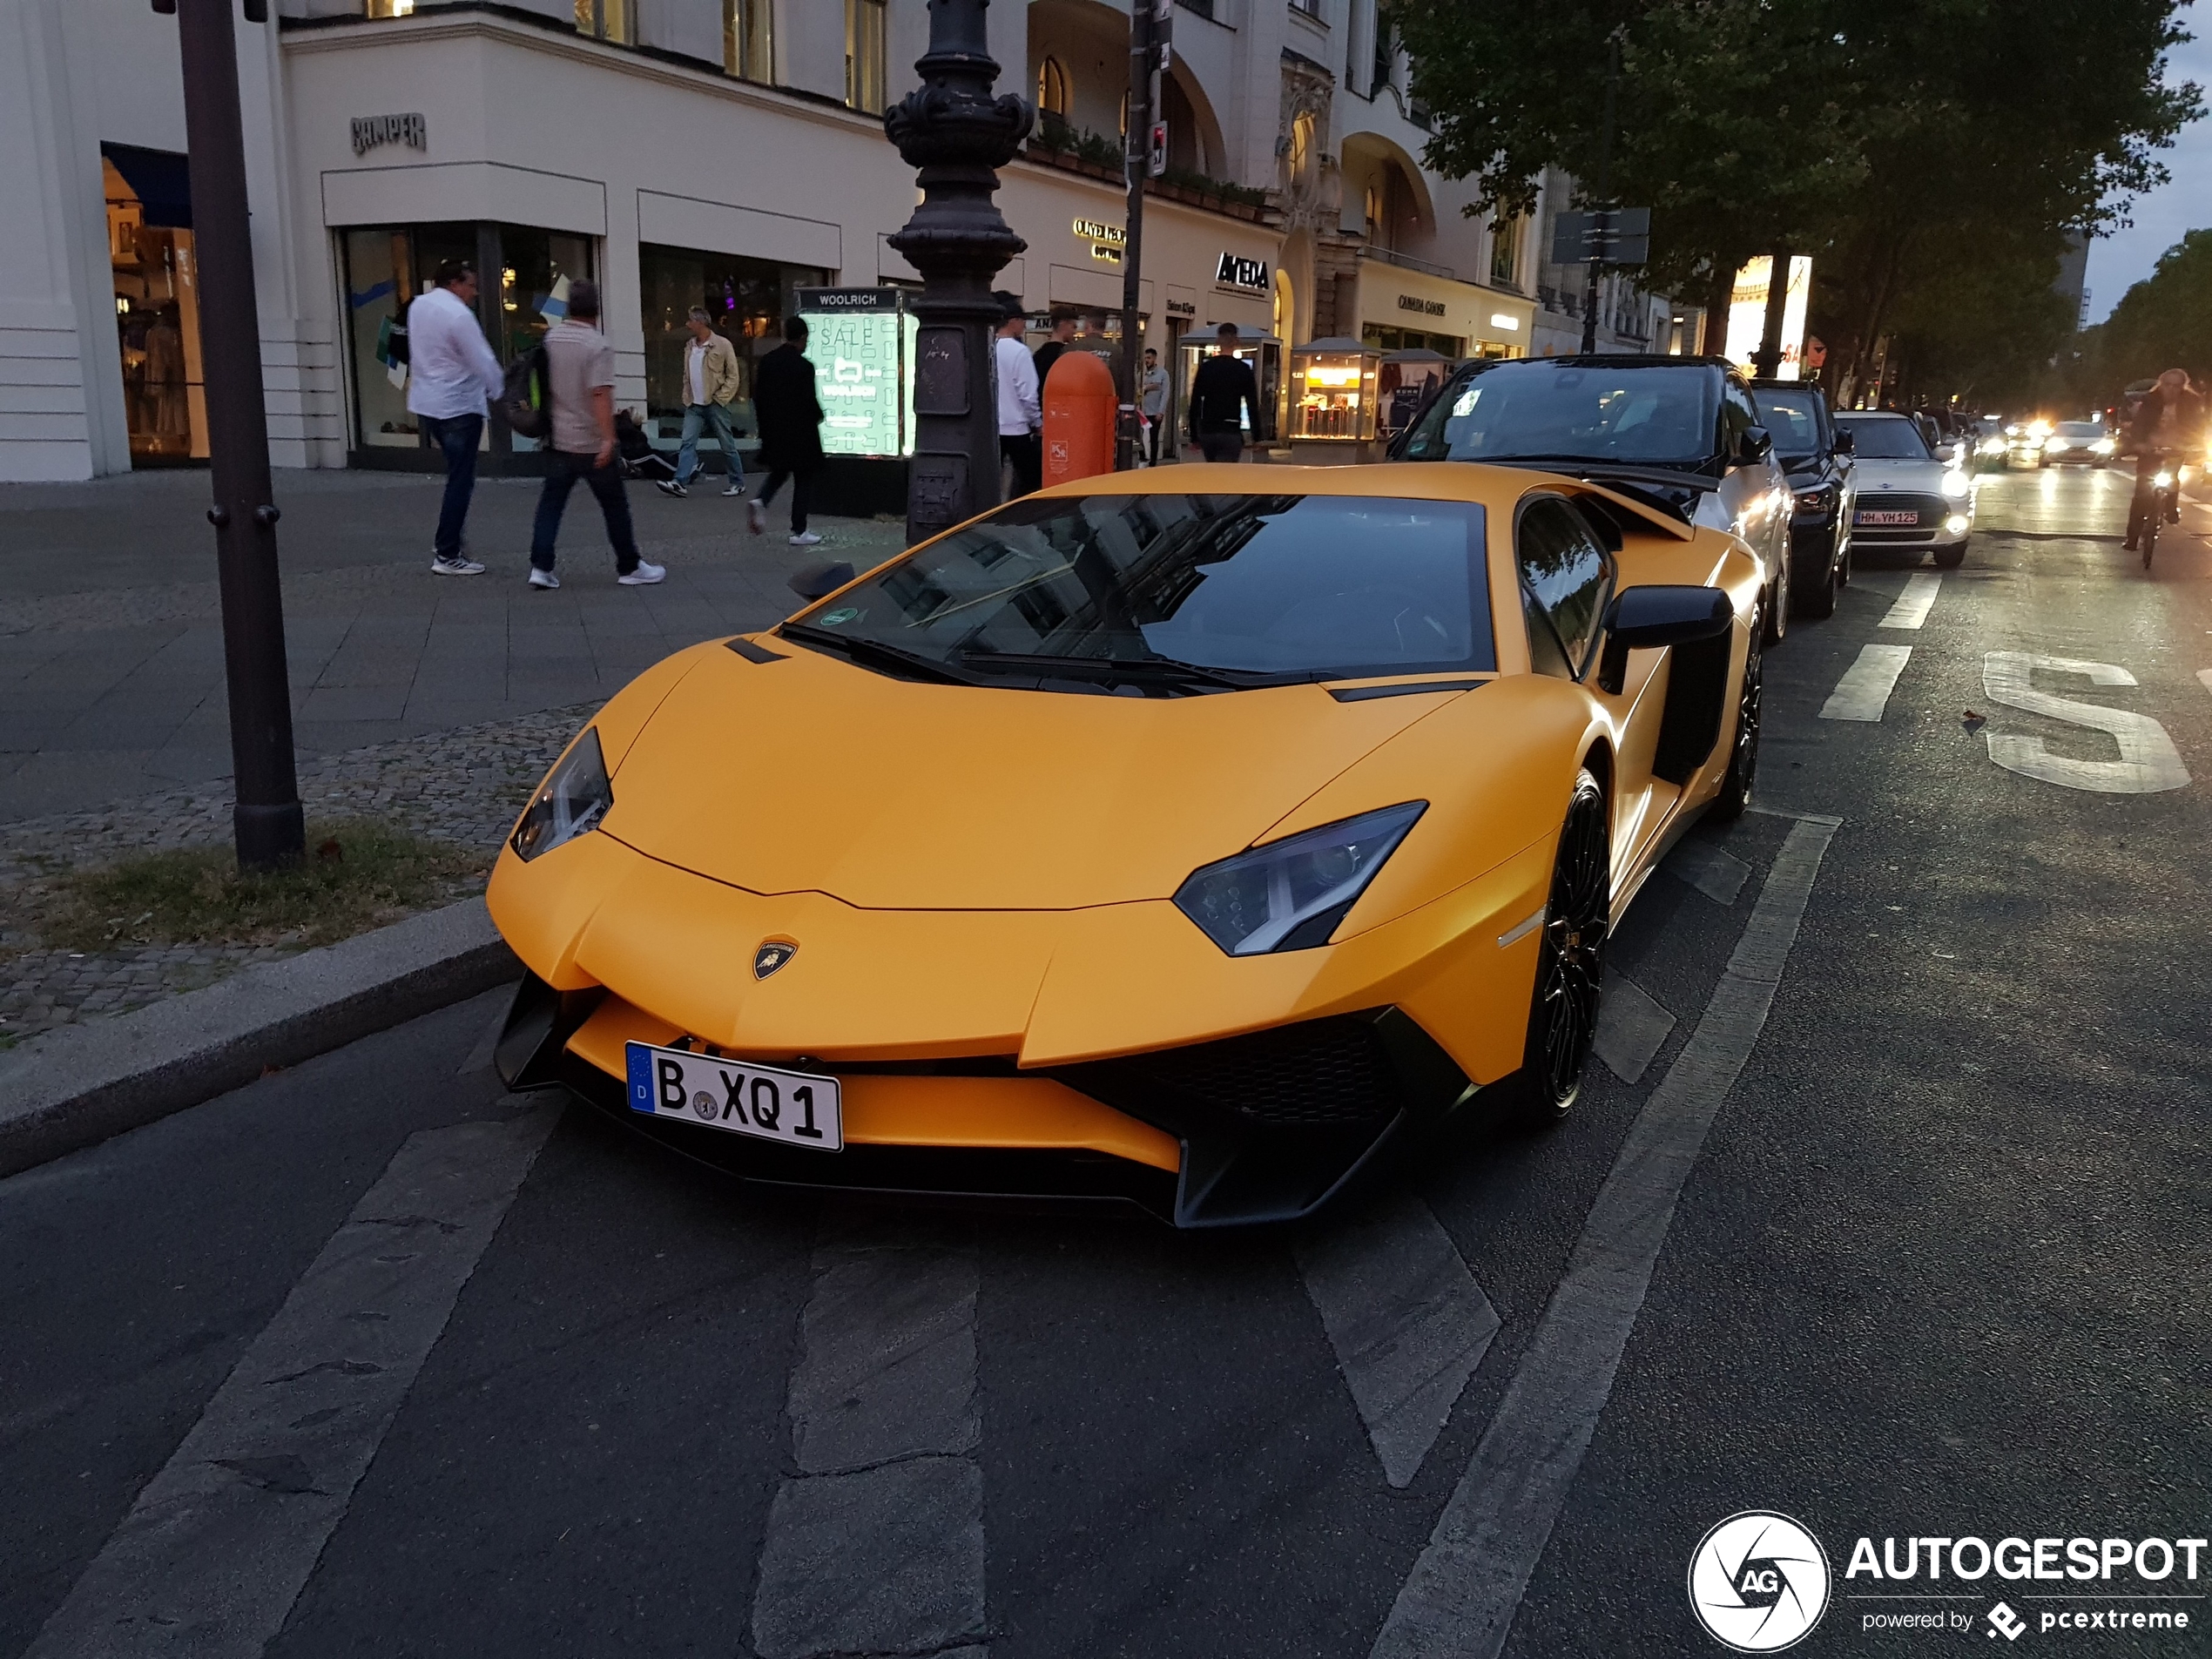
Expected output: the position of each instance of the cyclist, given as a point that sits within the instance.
(2168, 430)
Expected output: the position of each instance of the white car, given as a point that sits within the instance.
(1908, 500)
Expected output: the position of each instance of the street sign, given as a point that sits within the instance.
(1615, 235)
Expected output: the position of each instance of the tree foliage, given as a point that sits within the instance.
(2164, 321)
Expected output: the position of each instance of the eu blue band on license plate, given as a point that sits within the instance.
(715, 1091)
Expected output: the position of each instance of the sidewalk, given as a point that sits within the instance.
(110, 634)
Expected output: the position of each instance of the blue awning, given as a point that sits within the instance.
(161, 180)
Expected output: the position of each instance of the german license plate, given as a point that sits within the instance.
(767, 1102)
(1884, 516)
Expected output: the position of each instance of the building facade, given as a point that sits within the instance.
(681, 153)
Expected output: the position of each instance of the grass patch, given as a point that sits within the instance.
(358, 874)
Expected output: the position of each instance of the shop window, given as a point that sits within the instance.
(747, 301)
(1505, 251)
(864, 55)
(748, 42)
(614, 20)
(1053, 96)
(156, 310)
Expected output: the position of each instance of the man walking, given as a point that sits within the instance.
(790, 431)
(450, 372)
(1221, 390)
(1154, 403)
(710, 385)
(1020, 416)
(580, 382)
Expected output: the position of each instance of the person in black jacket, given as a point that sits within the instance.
(2169, 424)
(1223, 388)
(791, 431)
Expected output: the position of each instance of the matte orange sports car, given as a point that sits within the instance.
(1188, 837)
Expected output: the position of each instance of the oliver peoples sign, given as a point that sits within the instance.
(369, 131)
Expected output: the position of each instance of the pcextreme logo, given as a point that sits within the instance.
(1758, 1582)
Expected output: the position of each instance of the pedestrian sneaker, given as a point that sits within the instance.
(455, 566)
(644, 576)
(756, 516)
(543, 578)
(737, 489)
(670, 487)
(804, 538)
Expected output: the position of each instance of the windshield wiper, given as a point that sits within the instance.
(1155, 669)
(874, 653)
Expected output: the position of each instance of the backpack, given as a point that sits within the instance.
(525, 400)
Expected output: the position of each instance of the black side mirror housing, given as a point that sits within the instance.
(1845, 445)
(1754, 445)
(819, 581)
(1650, 618)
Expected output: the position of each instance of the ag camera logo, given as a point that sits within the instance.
(1758, 1582)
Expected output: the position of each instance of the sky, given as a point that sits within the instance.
(2183, 204)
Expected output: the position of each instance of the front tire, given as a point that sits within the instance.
(1777, 619)
(1735, 798)
(1819, 601)
(1570, 961)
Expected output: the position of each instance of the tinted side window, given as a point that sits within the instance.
(1738, 414)
(1564, 579)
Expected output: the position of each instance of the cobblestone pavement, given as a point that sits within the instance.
(462, 786)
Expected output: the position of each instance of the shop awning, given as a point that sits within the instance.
(160, 179)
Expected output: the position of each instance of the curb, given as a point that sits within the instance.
(79, 1085)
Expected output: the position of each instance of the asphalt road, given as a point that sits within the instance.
(1899, 1230)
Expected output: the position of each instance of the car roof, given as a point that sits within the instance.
(1617, 359)
(1872, 414)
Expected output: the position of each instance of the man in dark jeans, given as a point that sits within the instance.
(450, 372)
(580, 384)
(790, 418)
(1222, 390)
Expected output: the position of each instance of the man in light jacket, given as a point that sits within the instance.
(450, 373)
(1020, 418)
(710, 387)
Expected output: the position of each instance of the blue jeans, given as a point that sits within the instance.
(561, 470)
(457, 437)
(716, 416)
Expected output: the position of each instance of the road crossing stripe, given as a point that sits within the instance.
(876, 1544)
(1864, 691)
(1460, 1597)
(214, 1552)
(1912, 607)
(2204, 677)
(1631, 1028)
(1407, 1321)
(1717, 874)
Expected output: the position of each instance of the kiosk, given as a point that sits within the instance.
(1332, 402)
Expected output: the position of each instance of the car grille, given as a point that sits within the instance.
(1317, 1072)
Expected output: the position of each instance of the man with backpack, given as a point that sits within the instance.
(450, 371)
(580, 393)
(710, 385)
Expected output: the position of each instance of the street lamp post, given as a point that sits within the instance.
(266, 816)
(957, 136)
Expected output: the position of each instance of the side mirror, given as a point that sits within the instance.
(819, 581)
(1648, 618)
(1845, 445)
(1946, 451)
(1754, 445)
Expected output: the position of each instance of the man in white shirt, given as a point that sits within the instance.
(450, 372)
(1020, 419)
(1154, 403)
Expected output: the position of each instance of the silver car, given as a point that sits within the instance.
(1908, 500)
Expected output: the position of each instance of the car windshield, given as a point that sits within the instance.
(1168, 594)
(1792, 419)
(1534, 411)
(2084, 431)
(1881, 439)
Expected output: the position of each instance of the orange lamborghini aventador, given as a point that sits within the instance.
(1189, 837)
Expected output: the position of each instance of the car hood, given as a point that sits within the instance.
(1912, 477)
(809, 774)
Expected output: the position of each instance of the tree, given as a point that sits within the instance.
(2163, 322)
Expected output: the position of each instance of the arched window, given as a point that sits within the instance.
(1376, 211)
(1301, 145)
(1052, 88)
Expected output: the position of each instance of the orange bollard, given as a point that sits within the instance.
(1079, 405)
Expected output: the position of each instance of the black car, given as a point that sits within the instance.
(1817, 457)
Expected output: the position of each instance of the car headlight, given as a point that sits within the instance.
(1992, 446)
(1956, 486)
(2058, 444)
(2103, 446)
(1819, 499)
(573, 799)
(1290, 893)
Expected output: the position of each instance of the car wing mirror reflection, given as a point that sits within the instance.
(1754, 445)
(1648, 618)
(819, 581)
(1845, 443)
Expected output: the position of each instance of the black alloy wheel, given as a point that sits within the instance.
(1743, 749)
(1570, 964)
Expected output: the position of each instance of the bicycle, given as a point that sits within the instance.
(2163, 503)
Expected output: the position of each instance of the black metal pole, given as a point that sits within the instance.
(957, 135)
(1135, 163)
(1601, 242)
(266, 817)
(1767, 360)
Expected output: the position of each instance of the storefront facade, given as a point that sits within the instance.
(1400, 309)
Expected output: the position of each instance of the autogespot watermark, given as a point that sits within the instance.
(1759, 1581)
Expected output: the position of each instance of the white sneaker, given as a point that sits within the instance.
(644, 575)
(804, 538)
(756, 517)
(668, 487)
(737, 489)
(455, 566)
(543, 578)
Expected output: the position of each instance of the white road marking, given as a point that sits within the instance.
(876, 1546)
(2148, 762)
(215, 1551)
(1631, 1026)
(1720, 876)
(1912, 607)
(1864, 691)
(1407, 1321)
(2204, 677)
(1460, 1597)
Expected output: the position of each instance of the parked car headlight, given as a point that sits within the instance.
(1819, 499)
(2054, 445)
(1290, 893)
(1957, 486)
(573, 799)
